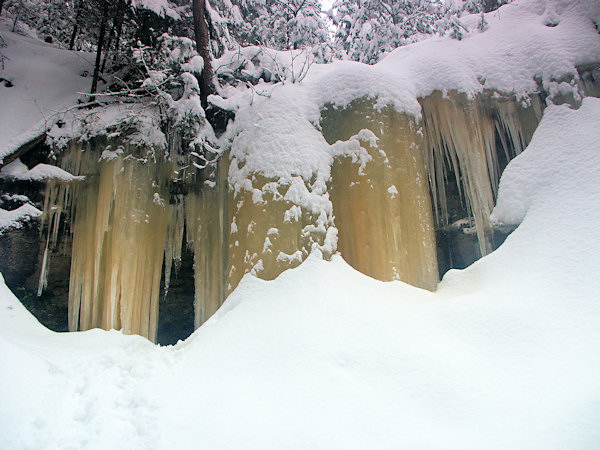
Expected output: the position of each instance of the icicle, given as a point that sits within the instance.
(124, 226)
(461, 135)
(455, 127)
(589, 81)
(56, 200)
(119, 236)
(43, 283)
(174, 241)
(515, 123)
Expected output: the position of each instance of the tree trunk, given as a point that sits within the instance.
(76, 25)
(73, 36)
(203, 48)
(118, 41)
(99, 49)
(116, 25)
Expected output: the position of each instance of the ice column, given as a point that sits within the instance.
(383, 211)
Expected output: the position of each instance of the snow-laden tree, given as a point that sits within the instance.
(277, 24)
(476, 6)
(366, 29)
(170, 75)
(49, 18)
(452, 25)
(76, 23)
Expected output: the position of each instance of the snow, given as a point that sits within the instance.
(256, 62)
(41, 172)
(504, 355)
(46, 80)
(15, 197)
(15, 169)
(565, 144)
(194, 65)
(17, 217)
(162, 8)
(496, 59)
(114, 121)
(492, 60)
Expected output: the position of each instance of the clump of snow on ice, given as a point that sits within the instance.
(43, 172)
(297, 257)
(368, 136)
(293, 214)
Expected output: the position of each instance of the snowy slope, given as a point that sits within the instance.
(45, 79)
(506, 354)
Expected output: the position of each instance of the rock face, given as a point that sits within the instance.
(19, 251)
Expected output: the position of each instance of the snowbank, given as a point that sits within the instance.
(565, 148)
(506, 354)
